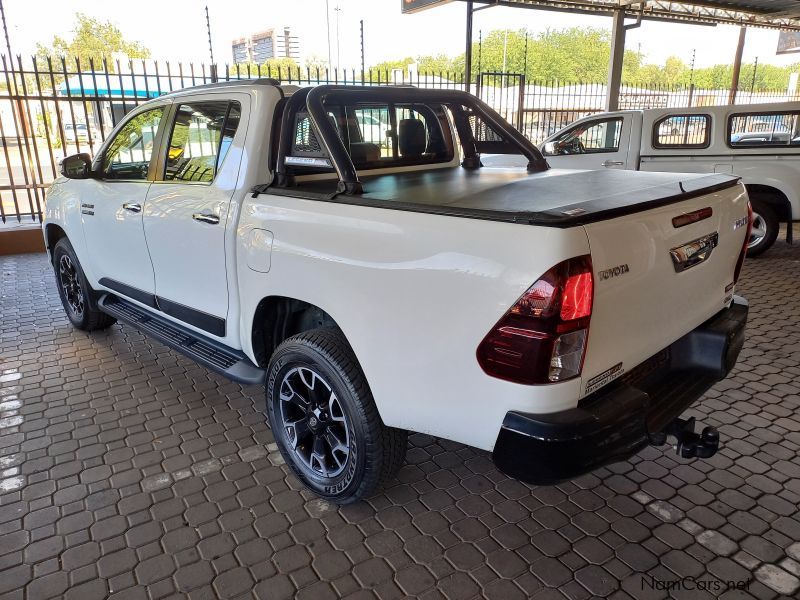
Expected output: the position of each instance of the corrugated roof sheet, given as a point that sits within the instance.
(775, 14)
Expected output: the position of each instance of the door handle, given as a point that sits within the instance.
(136, 208)
(613, 163)
(210, 219)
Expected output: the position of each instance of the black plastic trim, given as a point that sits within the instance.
(202, 320)
(131, 292)
(618, 420)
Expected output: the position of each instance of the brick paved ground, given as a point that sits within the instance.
(126, 470)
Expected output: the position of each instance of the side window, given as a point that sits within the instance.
(200, 139)
(374, 125)
(764, 129)
(375, 135)
(591, 137)
(682, 131)
(129, 153)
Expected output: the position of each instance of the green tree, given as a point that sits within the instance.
(388, 65)
(92, 40)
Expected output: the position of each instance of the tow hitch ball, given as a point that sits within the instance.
(688, 443)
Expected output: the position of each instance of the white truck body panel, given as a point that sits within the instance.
(667, 304)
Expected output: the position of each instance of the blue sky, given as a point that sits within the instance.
(175, 29)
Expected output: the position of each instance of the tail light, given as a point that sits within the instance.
(743, 253)
(542, 338)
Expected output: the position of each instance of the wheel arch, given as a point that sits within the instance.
(772, 196)
(278, 318)
(52, 234)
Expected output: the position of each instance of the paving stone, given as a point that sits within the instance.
(133, 473)
(777, 579)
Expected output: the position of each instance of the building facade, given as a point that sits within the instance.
(278, 42)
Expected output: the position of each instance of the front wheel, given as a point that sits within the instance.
(325, 421)
(765, 228)
(76, 295)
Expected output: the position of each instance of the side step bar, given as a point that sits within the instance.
(209, 353)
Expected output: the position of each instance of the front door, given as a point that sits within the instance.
(187, 210)
(112, 209)
(600, 143)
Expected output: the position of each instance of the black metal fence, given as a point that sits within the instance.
(52, 108)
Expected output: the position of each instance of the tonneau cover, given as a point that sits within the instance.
(557, 197)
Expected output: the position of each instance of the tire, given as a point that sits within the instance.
(77, 296)
(767, 221)
(325, 421)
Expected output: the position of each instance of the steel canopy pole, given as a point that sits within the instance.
(737, 66)
(468, 49)
(617, 55)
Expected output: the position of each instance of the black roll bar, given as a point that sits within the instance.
(295, 103)
(315, 99)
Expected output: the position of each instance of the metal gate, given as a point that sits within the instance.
(505, 93)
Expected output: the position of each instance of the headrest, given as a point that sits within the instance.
(411, 137)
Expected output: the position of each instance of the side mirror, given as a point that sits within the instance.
(76, 166)
(549, 149)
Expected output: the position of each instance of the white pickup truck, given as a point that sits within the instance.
(758, 142)
(378, 280)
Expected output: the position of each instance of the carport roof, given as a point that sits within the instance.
(774, 14)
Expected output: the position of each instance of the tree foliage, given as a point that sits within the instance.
(581, 54)
(92, 40)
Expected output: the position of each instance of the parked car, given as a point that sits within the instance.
(79, 132)
(757, 142)
(560, 319)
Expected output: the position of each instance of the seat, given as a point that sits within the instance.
(412, 138)
(364, 152)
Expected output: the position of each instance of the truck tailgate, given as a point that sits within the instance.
(644, 299)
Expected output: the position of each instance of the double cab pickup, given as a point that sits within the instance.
(345, 247)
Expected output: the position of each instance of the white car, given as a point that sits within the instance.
(757, 142)
(79, 132)
(560, 319)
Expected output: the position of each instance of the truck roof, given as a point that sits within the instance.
(246, 84)
(714, 110)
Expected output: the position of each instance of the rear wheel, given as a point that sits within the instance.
(325, 421)
(765, 228)
(77, 296)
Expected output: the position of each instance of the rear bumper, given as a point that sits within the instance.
(615, 422)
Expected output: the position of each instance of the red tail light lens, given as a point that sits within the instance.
(738, 270)
(542, 338)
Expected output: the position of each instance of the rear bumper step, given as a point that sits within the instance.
(212, 355)
(641, 408)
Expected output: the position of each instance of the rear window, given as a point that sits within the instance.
(682, 131)
(763, 129)
(377, 136)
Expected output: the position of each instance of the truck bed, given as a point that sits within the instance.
(513, 195)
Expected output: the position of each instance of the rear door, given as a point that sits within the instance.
(187, 208)
(597, 143)
(646, 295)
